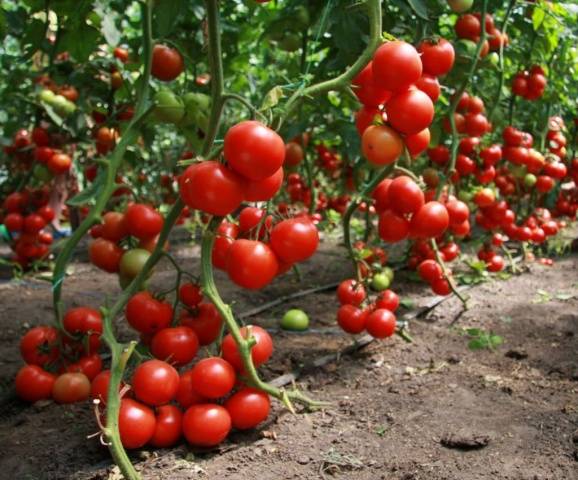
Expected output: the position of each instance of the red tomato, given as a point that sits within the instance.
(396, 65)
(248, 408)
(89, 365)
(418, 142)
(146, 314)
(33, 223)
(114, 227)
(105, 254)
(293, 154)
(14, 222)
(143, 221)
(350, 292)
(468, 26)
(430, 86)
(190, 294)
(294, 240)
(261, 351)
(40, 346)
(264, 190)
(405, 196)
(430, 271)
(476, 124)
(155, 382)
(206, 425)
(381, 145)
(254, 150)
(186, 394)
(351, 319)
(437, 57)
(84, 321)
(458, 212)
(368, 90)
(380, 323)
(387, 299)
(441, 287)
(59, 163)
(212, 188)
(71, 388)
(121, 54)
(136, 423)
(430, 221)
(392, 227)
(410, 111)
(99, 386)
(213, 377)
(205, 321)
(168, 427)
(177, 345)
(380, 195)
(167, 63)
(46, 213)
(33, 384)
(251, 264)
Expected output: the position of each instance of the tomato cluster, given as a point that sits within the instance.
(61, 364)
(530, 85)
(469, 29)
(106, 251)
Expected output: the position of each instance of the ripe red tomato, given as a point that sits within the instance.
(114, 227)
(99, 386)
(368, 90)
(294, 240)
(121, 54)
(441, 287)
(155, 382)
(484, 197)
(143, 221)
(190, 294)
(213, 377)
(476, 124)
(32, 383)
(396, 65)
(430, 221)
(206, 425)
(59, 163)
(264, 190)
(293, 154)
(146, 314)
(212, 188)
(40, 345)
(205, 321)
(380, 195)
(437, 57)
(71, 388)
(105, 255)
(89, 365)
(430, 271)
(410, 111)
(251, 264)
(405, 196)
(46, 213)
(177, 345)
(380, 323)
(136, 423)
(381, 145)
(226, 235)
(387, 299)
(186, 394)
(261, 351)
(168, 427)
(430, 86)
(33, 223)
(350, 292)
(14, 222)
(253, 150)
(167, 63)
(458, 212)
(392, 227)
(84, 321)
(496, 263)
(248, 408)
(418, 142)
(468, 26)
(544, 183)
(351, 319)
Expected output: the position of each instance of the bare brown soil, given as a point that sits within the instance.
(430, 410)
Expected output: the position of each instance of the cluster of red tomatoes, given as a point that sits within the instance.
(469, 117)
(530, 85)
(432, 272)
(398, 88)
(359, 313)
(404, 212)
(61, 364)
(26, 216)
(257, 249)
(469, 27)
(112, 250)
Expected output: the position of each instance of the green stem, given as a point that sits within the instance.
(343, 80)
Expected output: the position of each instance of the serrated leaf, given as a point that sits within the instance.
(419, 7)
(477, 344)
(91, 192)
(272, 98)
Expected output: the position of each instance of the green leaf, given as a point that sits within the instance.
(165, 16)
(407, 303)
(474, 332)
(80, 42)
(34, 36)
(538, 17)
(418, 6)
(477, 344)
(496, 341)
(272, 98)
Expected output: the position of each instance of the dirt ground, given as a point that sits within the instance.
(429, 410)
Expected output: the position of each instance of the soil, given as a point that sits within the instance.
(429, 410)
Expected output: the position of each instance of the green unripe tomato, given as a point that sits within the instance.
(59, 103)
(389, 272)
(46, 96)
(169, 108)
(460, 6)
(290, 42)
(530, 180)
(380, 282)
(493, 59)
(132, 262)
(197, 107)
(296, 320)
(41, 173)
(68, 108)
(465, 196)
(465, 50)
